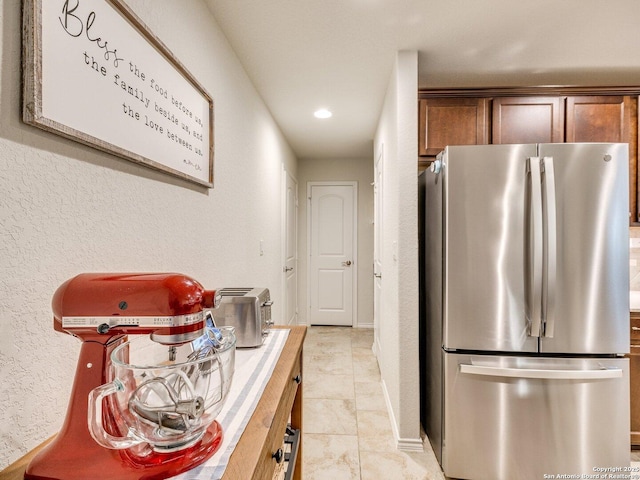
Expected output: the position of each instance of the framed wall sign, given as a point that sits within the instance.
(94, 73)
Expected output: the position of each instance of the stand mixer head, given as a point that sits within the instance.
(114, 427)
(167, 306)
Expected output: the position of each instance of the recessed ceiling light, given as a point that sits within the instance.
(322, 113)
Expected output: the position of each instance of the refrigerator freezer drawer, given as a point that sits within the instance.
(523, 417)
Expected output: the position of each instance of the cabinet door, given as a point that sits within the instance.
(528, 120)
(452, 121)
(607, 118)
(598, 119)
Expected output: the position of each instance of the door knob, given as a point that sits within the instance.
(288, 269)
(377, 275)
(347, 263)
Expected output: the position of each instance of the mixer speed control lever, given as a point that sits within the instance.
(105, 327)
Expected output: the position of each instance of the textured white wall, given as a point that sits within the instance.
(320, 170)
(397, 336)
(66, 208)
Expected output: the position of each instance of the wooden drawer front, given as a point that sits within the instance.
(635, 330)
(281, 418)
(289, 394)
(278, 421)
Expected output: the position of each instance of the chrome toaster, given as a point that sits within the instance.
(249, 311)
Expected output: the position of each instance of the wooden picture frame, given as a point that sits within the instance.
(94, 73)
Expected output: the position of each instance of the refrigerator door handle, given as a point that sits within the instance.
(535, 247)
(600, 373)
(550, 247)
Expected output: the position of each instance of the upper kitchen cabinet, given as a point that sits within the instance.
(528, 120)
(531, 115)
(598, 118)
(607, 118)
(452, 121)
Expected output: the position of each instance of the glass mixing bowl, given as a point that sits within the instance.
(161, 395)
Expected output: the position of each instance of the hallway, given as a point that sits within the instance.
(347, 431)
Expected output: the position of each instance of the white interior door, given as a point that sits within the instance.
(332, 237)
(290, 248)
(377, 246)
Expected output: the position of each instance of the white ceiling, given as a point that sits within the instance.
(339, 54)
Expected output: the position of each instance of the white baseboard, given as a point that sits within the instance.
(404, 444)
(364, 325)
(410, 445)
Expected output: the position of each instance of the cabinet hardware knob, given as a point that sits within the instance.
(635, 328)
(297, 379)
(279, 455)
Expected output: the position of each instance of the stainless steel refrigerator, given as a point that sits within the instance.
(526, 310)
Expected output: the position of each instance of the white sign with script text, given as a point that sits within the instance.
(101, 78)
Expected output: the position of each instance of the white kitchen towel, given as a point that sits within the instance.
(253, 370)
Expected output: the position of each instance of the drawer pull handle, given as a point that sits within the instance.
(635, 328)
(279, 455)
(297, 379)
(597, 373)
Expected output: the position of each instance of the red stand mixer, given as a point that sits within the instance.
(145, 408)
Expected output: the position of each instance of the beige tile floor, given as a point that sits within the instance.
(347, 431)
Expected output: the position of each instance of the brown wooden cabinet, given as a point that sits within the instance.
(531, 115)
(607, 118)
(452, 121)
(598, 118)
(527, 120)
